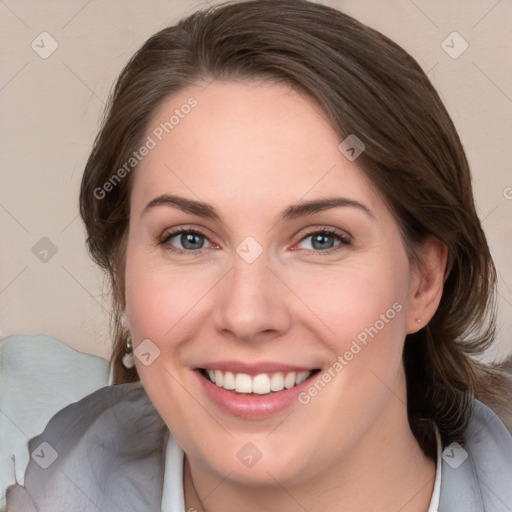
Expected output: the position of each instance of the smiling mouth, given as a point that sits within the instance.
(261, 384)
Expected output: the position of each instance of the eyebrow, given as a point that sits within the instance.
(294, 211)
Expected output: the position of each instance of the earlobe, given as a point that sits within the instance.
(427, 284)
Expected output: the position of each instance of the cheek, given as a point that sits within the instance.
(361, 308)
(161, 299)
(355, 301)
(363, 312)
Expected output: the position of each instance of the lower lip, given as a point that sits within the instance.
(251, 405)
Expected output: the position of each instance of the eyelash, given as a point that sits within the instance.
(343, 239)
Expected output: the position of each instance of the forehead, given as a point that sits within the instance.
(247, 143)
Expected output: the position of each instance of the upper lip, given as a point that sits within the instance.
(254, 368)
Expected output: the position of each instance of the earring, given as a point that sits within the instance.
(418, 320)
(128, 361)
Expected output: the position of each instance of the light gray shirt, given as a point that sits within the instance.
(107, 453)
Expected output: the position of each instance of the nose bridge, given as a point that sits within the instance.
(250, 301)
(251, 276)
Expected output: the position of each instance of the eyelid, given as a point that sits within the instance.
(171, 233)
(326, 229)
(343, 237)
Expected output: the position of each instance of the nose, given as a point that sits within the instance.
(252, 303)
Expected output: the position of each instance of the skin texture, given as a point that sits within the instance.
(252, 149)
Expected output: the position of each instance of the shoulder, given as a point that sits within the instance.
(104, 452)
(477, 476)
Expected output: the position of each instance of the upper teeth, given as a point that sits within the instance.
(260, 384)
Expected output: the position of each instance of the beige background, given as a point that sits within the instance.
(51, 107)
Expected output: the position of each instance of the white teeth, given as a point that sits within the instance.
(289, 380)
(277, 382)
(260, 384)
(243, 383)
(229, 381)
(301, 377)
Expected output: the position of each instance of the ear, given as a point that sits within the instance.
(427, 278)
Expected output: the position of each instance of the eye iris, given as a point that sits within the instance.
(190, 238)
(321, 238)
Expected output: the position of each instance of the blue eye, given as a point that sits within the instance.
(190, 239)
(193, 241)
(323, 240)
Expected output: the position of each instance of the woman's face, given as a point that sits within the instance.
(255, 295)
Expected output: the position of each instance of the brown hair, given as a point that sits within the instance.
(367, 86)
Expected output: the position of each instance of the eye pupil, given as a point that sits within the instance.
(194, 241)
(190, 238)
(321, 238)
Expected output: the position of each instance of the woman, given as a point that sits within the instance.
(300, 281)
